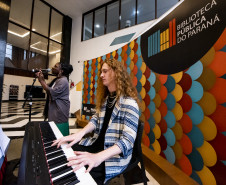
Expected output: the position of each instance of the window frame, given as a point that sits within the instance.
(29, 28)
(119, 20)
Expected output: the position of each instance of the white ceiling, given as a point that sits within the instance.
(75, 8)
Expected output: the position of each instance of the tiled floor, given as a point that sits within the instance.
(13, 120)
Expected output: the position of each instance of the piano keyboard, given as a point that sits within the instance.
(56, 159)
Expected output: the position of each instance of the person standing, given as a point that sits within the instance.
(57, 105)
(108, 152)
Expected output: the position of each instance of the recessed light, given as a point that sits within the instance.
(19, 35)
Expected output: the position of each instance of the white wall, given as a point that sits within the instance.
(53, 59)
(21, 82)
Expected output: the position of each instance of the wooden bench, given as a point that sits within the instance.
(163, 171)
(79, 121)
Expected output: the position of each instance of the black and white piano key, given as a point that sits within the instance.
(60, 171)
(83, 177)
(67, 179)
(57, 161)
(56, 158)
(47, 144)
(54, 154)
(58, 166)
(50, 148)
(63, 175)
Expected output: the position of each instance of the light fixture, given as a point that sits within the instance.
(19, 35)
(39, 42)
(35, 43)
(56, 34)
(97, 25)
(38, 49)
(134, 12)
(4, 6)
(53, 52)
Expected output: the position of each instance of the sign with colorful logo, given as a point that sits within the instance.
(181, 38)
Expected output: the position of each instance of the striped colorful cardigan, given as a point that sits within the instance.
(122, 131)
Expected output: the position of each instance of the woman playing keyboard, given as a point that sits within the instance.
(114, 126)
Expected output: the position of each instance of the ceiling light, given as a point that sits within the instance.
(97, 25)
(4, 6)
(53, 52)
(19, 35)
(33, 29)
(35, 43)
(55, 34)
(38, 49)
(134, 12)
(44, 51)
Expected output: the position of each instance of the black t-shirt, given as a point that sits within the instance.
(99, 143)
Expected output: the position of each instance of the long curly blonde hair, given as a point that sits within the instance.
(124, 85)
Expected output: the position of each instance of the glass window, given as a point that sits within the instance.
(8, 52)
(56, 26)
(32, 54)
(54, 53)
(112, 17)
(41, 18)
(39, 46)
(27, 46)
(99, 22)
(128, 11)
(88, 24)
(25, 54)
(145, 10)
(20, 12)
(18, 38)
(164, 5)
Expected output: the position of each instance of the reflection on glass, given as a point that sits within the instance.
(164, 5)
(54, 53)
(9, 51)
(99, 22)
(87, 29)
(17, 43)
(20, 12)
(112, 17)
(41, 18)
(38, 46)
(145, 10)
(128, 12)
(56, 26)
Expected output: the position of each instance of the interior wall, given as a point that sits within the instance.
(99, 46)
(53, 59)
(81, 51)
(21, 82)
